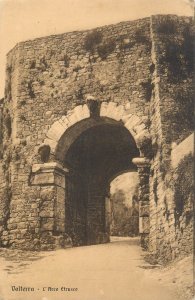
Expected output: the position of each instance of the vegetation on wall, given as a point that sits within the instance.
(141, 38)
(148, 87)
(8, 85)
(185, 104)
(176, 66)
(94, 42)
(183, 185)
(138, 37)
(166, 26)
(179, 114)
(177, 54)
(188, 48)
(7, 195)
(106, 48)
(92, 39)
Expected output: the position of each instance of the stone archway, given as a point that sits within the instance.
(111, 110)
(88, 146)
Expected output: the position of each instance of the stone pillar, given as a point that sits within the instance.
(107, 215)
(51, 179)
(143, 165)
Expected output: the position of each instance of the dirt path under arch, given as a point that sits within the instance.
(115, 271)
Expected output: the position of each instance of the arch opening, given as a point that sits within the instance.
(123, 205)
(97, 154)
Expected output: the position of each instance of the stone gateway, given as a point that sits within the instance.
(82, 107)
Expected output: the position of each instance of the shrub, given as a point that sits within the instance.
(171, 59)
(185, 103)
(183, 185)
(166, 27)
(187, 48)
(177, 57)
(105, 49)
(92, 40)
(148, 88)
(140, 37)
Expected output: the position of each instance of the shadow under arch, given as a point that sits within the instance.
(90, 149)
(93, 151)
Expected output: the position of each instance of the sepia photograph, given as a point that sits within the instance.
(97, 150)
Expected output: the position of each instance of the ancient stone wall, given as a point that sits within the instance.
(133, 64)
(49, 76)
(172, 121)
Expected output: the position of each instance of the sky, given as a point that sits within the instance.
(27, 19)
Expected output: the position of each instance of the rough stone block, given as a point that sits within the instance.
(144, 225)
(103, 109)
(47, 224)
(144, 211)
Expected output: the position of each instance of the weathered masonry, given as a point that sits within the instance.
(82, 107)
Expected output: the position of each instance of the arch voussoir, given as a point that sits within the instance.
(103, 109)
(81, 112)
(126, 117)
(112, 110)
(133, 123)
(64, 121)
(118, 112)
(139, 128)
(56, 130)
